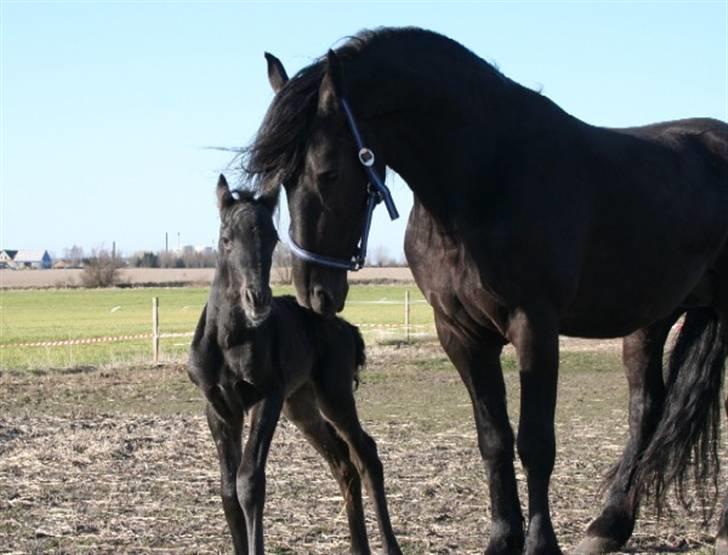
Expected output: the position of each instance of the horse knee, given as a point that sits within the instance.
(348, 477)
(250, 486)
(372, 464)
(496, 445)
(537, 452)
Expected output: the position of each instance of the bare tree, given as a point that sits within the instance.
(101, 269)
(73, 256)
(282, 261)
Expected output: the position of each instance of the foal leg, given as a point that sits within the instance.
(336, 401)
(535, 336)
(251, 472)
(642, 354)
(227, 437)
(302, 409)
(478, 363)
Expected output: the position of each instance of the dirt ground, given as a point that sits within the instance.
(120, 461)
(13, 279)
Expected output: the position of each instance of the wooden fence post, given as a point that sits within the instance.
(155, 330)
(407, 315)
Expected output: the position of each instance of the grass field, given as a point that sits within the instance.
(63, 314)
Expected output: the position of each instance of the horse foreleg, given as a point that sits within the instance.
(227, 437)
(251, 473)
(478, 363)
(534, 334)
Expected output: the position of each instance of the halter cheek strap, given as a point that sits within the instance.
(377, 192)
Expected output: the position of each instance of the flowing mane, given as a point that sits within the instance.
(276, 153)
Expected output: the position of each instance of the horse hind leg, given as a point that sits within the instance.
(302, 409)
(721, 539)
(336, 402)
(642, 354)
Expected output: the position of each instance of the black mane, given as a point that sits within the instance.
(276, 153)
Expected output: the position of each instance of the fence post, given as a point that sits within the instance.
(155, 330)
(407, 315)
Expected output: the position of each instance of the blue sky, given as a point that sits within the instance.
(107, 107)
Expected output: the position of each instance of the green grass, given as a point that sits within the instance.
(61, 314)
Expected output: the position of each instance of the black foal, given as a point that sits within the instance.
(253, 353)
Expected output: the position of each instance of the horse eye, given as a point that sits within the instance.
(226, 242)
(328, 178)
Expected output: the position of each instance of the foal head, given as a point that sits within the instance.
(245, 247)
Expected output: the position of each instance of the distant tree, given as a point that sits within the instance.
(73, 256)
(380, 256)
(170, 260)
(282, 262)
(101, 269)
(146, 259)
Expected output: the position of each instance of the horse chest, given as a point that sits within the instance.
(453, 283)
(247, 362)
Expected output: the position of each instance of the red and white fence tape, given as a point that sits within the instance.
(138, 336)
(93, 340)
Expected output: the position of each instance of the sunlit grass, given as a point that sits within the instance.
(28, 316)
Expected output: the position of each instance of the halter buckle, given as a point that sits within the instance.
(366, 157)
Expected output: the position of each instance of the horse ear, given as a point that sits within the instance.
(224, 196)
(276, 72)
(332, 85)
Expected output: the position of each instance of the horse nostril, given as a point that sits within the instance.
(249, 296)
(324, 299)
(257, 299)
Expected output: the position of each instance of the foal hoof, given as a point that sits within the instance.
(721, 546)
(592, 545)
(505, 545)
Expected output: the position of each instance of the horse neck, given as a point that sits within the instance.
(446, 138)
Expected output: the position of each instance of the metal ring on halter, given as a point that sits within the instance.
(366, 157)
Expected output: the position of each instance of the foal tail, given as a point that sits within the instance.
(684, 447)
(359, 353)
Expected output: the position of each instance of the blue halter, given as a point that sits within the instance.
(377, 192)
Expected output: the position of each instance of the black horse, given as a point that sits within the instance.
(261, 354)
(527, 223)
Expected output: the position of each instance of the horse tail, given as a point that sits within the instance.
(684, 446)
(359, 354)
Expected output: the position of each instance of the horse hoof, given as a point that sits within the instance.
(721, 546)
(592, 545)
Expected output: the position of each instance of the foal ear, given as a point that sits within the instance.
(224, 197)
(276, 72)
(269, 199)
(332, 85)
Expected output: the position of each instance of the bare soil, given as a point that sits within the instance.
(120, 461)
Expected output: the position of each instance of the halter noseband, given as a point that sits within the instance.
(377, 192)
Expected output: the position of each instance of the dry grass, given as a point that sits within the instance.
(109, 461)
